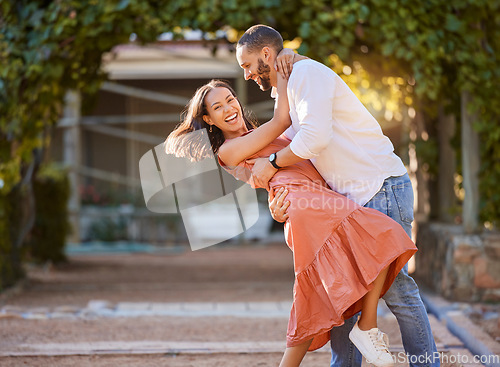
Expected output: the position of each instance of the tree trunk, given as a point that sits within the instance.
(447, 166)
(470, 168)
(72, 157)
(419, 177)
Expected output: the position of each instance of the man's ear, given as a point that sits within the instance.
(266, 53)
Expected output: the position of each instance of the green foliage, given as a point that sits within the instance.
(48, 236)
(48, 48)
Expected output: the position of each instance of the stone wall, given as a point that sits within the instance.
(461, 267)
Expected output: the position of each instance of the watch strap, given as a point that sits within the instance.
(272, 159)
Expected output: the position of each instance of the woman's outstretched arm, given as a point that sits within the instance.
(233, 151)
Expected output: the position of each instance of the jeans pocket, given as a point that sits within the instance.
(403, 193)
(379, 202)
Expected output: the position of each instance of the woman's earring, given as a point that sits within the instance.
(210, 128)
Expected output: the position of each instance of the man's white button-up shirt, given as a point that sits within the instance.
(332, 128)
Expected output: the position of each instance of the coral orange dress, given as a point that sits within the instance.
(339, 248)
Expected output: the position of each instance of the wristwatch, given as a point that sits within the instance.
(272, 159)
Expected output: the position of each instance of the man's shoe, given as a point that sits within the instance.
(373, 345)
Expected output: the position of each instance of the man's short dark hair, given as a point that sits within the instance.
(259, 36)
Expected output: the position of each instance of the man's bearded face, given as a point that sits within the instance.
(263, 71)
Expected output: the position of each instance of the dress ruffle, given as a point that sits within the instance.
(328, 291)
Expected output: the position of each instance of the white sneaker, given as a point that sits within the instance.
(373, 345)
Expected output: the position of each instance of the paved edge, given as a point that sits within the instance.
(441, 311)
(143, 348)
(157, 347)
(102, 308)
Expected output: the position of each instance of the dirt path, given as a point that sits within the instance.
(46, 326)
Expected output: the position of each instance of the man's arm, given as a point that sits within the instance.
(263, 170)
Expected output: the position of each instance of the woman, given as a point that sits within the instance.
(345, 256)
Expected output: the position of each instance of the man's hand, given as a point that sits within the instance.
(262, 171)
(276, 206)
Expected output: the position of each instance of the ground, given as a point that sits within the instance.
(49, 321)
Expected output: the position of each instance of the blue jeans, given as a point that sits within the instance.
(394, 199)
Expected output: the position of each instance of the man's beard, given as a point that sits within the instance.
(263, 71)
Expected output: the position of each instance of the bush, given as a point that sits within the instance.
(48, 236)
(10, 256)
(108, 230)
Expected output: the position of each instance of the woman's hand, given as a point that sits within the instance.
(276, 206)
(284, 62)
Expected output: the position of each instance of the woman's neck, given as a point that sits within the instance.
(235, 134)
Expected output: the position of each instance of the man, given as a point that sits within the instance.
(332, 128)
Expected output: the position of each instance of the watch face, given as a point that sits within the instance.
(272, 157)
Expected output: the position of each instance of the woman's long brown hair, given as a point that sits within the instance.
(182, 144)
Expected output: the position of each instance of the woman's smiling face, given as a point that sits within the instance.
(224, 111)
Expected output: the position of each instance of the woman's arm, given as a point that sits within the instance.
(233, 151)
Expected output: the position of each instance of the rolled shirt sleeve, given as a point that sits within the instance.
(289, 133)
(312, 96)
